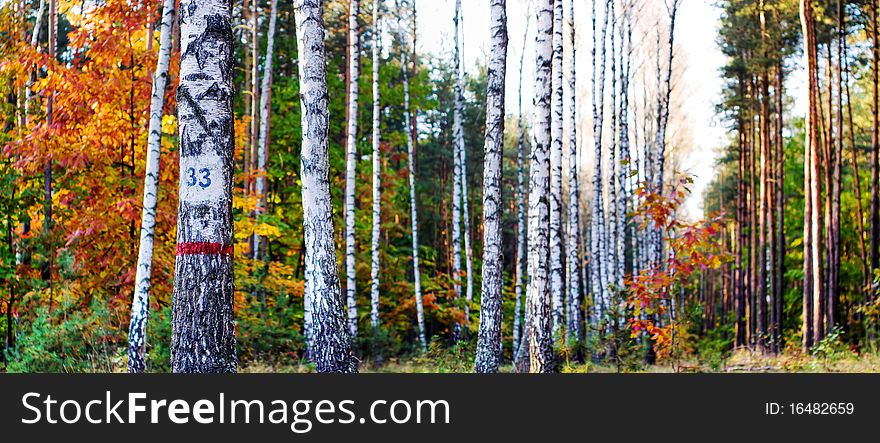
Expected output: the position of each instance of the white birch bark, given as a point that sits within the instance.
(557, 296)
(598, 282)
(140, 304)
(540, 333)
(521, 237)
(265, 108)
(624, 167)
(203, 330)
(457, 175)
(377, 179)
(351, 164)
(614, 161)
(414, 215)
(573, 259)
(331, 341)
(488, 357)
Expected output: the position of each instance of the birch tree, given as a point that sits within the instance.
(556, 270)
(520, 274)
(265, 108)
(331, 342)
(598, 285)
(540, 333)
(203, 331)
(489, 339)
(457, 175)
(409, 122)
(572, 280)
(140, 305)
(623, 172)
(351, 164)
(377, 178)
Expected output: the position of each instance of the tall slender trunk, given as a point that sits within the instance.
(556, 269)
(598, 282)
(409, 121)
(140, 305)
(763, 218)
(489, 339)
(265, 109)
(521, 243)
(834, 247)
(203, 330)
(623, 167)
(331, 341)
(46, 270)
(613, 163)
(875, 142)
(780, 212)
(351, 164)
(857, 183)
(573, 261)
(462, 164)
(663, 119)
(377, 173)
(540, 333)
(812, 265)
(457, 175)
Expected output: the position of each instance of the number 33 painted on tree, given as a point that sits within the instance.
(203, 181)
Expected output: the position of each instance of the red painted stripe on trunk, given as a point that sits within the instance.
(202, 248)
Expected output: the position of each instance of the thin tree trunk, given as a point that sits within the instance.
(351, 164)
(462, 153)
(265, 109)
(203, 338)
(573, 261)
(409, 121)
(875, 142)
(857, 184)
(489, 339)
(521, 244)
(540, 333)
(457, 175)
(598, 284)
(780, 213)
(556, 269)
(812, 275)
(140, 305)
(377, 177)
(331, 341)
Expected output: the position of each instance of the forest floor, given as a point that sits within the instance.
(738, 362)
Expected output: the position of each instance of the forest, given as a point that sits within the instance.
(301, 186)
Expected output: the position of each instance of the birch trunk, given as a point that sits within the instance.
(623, 168)
(377, 190)
(140, 305)
(351, 164)
(331, 341)
(573, 260)
(521, 237)
(613, 162)
(203, 330)
(556, 269)
(598, 282)
(409, 122)
(540, 334)
(489, 339)
(457, 175)
(265, 108)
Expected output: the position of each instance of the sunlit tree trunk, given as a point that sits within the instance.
(140, 304)
(351, 164)
(203, 330)
(623, 168)
(613, 230)
(812, 275)
(489, 339)
(265, 109)
(409, 121)
(540, 333)
(377, 176)
(331, 341)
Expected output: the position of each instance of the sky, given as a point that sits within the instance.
(696, 36)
